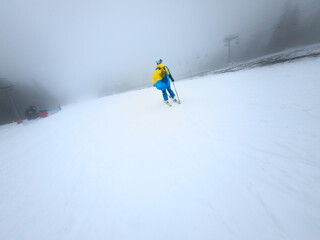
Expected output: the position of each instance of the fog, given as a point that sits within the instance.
(63, 51)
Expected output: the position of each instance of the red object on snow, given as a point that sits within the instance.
(43, 114)
(19, 121)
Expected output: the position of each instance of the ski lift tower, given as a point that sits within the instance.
(227, 42)
(7, 91)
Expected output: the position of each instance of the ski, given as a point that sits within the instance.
(167, 102)
(175, 100)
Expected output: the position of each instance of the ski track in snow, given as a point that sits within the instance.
(238, 159)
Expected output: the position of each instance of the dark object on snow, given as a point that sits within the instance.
(31, 113)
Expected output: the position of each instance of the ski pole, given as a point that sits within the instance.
(176, 91)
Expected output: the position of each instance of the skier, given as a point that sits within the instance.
(161, 81)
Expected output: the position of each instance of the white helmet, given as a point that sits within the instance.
(159, 61)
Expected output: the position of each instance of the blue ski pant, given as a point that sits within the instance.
(165, 95)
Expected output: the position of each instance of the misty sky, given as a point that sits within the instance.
(88, 48)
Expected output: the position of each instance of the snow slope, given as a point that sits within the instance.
(288, 55)
(238, 159)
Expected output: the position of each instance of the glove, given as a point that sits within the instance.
(171, 78)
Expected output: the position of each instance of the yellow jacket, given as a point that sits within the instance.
(160, 73)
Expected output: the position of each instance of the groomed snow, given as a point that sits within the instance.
(238, 159)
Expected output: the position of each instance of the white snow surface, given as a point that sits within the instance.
(238, 159)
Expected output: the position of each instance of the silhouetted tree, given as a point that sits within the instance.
(286, 32)
(310, 31)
